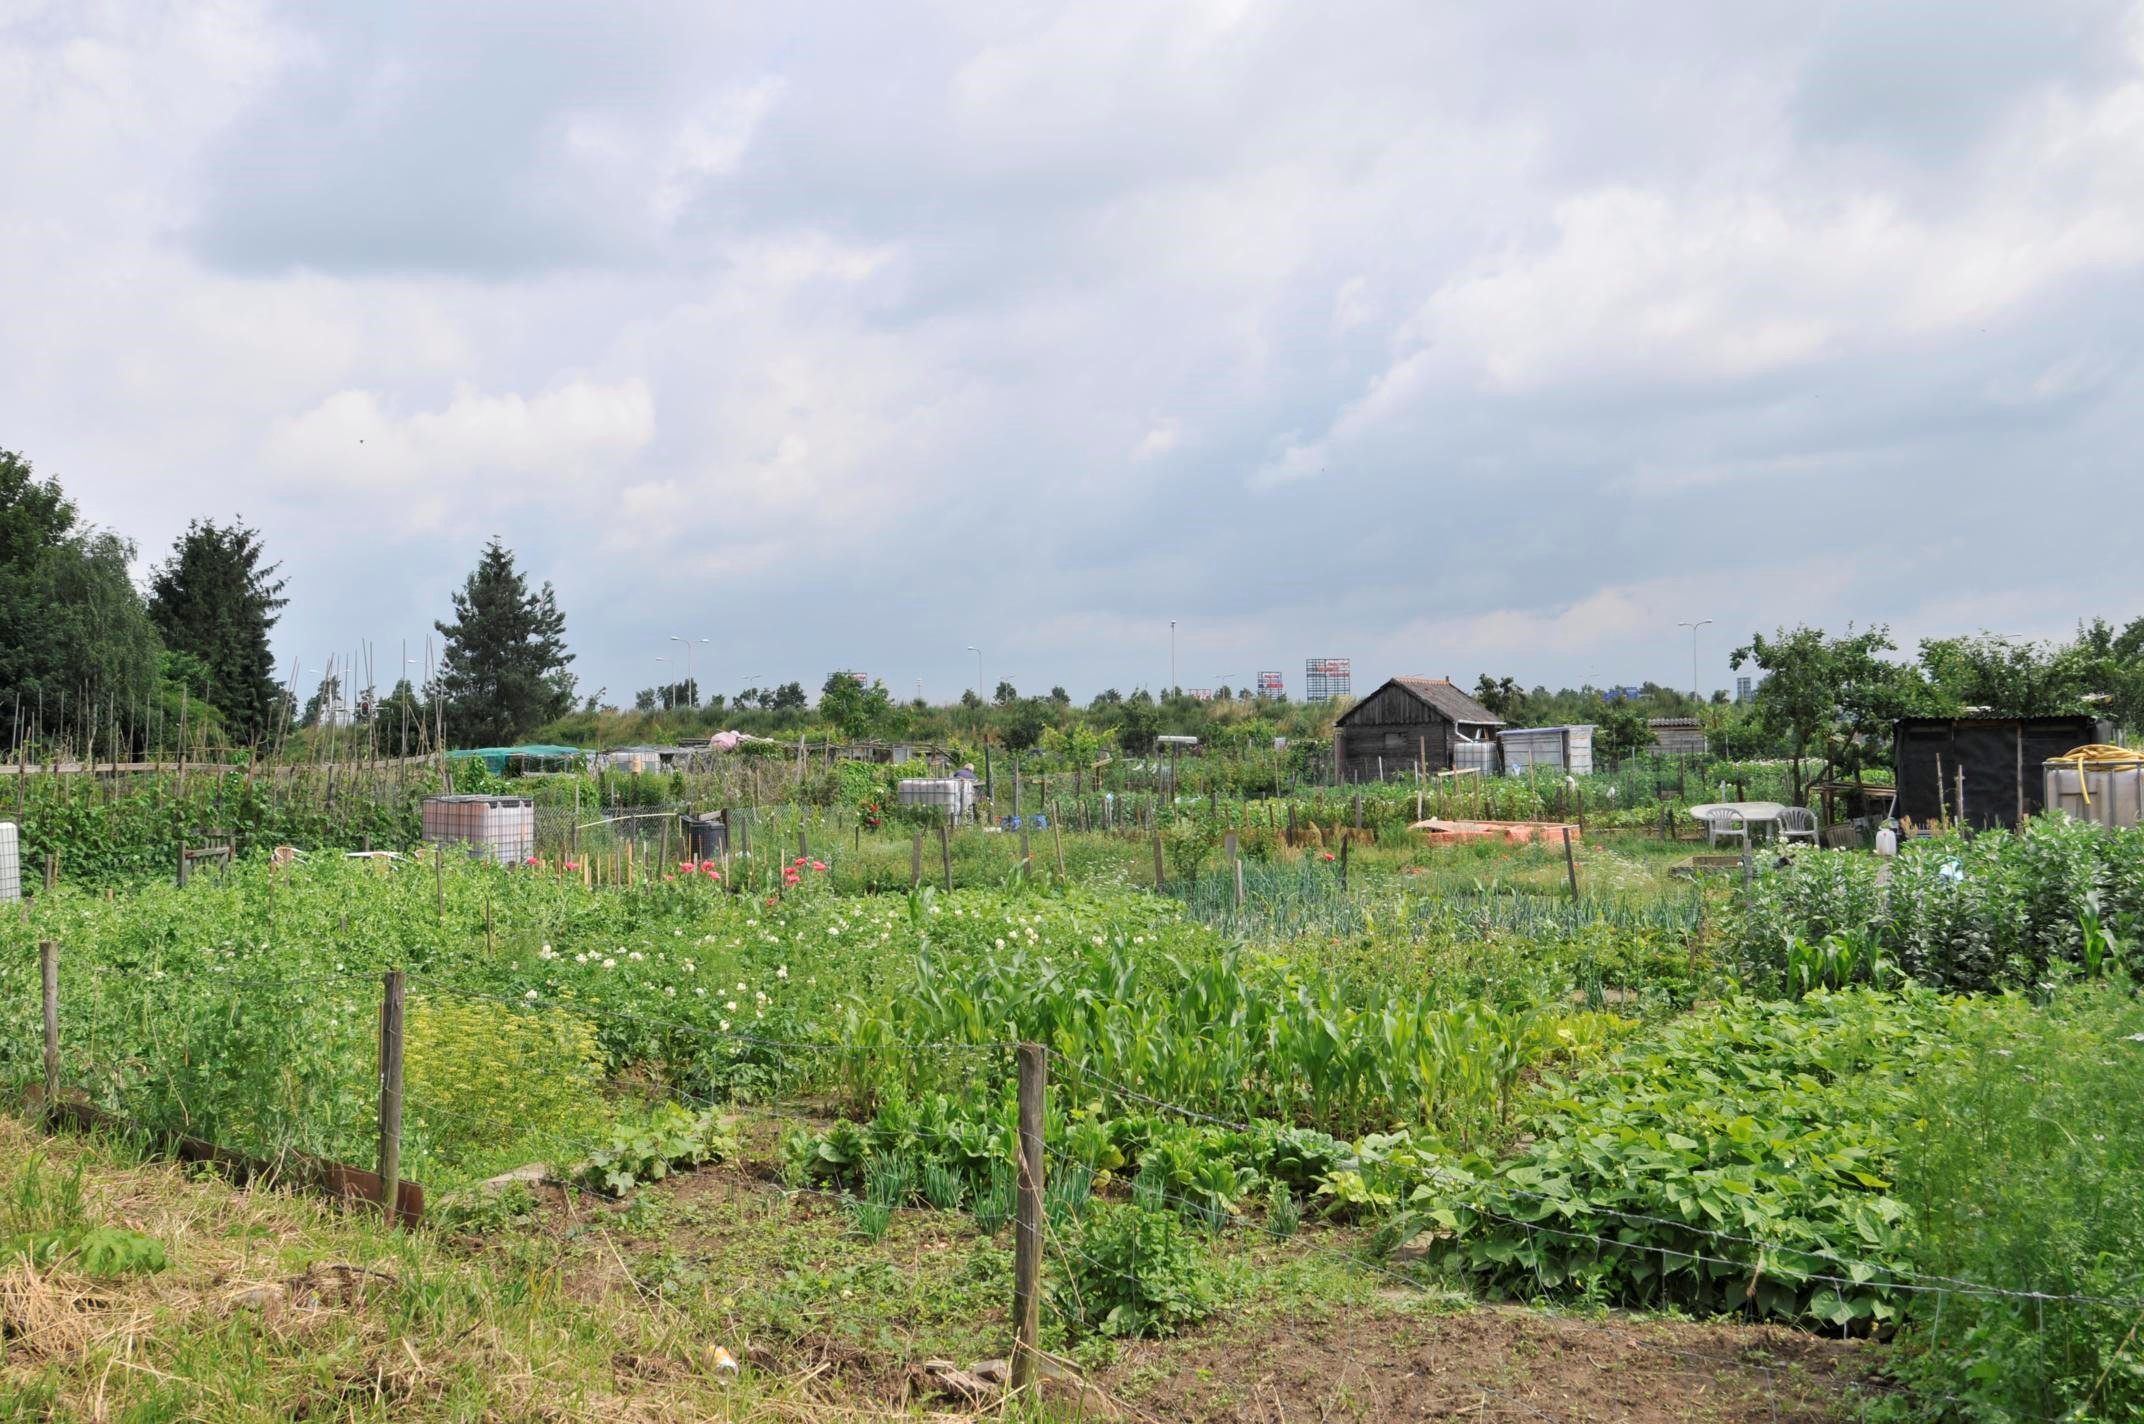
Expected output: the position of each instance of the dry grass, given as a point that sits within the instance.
(278, 1307)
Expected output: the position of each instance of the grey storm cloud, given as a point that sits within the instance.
(1452, 338)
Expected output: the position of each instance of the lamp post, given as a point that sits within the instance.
(692, 689)
(1693, 627)
(978, 672)
(1172, 654)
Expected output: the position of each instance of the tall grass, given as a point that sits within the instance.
(2024, 1166)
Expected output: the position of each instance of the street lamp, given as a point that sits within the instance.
(1693, 627)
(692, 689)
(978, 672)
(1172, 654)
(668, 700)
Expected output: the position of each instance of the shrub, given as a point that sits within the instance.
(1134, 1272)
(480, 1077)
(646, 1151)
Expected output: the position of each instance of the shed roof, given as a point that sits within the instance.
(1440, 695)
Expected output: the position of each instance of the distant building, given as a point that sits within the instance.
(1410, 720)
(1326, 678)
(1272, 684)
(1742, 691)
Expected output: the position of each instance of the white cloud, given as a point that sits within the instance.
(1001, 308)
(1161, 438)
(574, 432)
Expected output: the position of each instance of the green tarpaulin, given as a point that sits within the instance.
(496, 758)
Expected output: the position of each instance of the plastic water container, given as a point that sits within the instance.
(1887, 841)
(707, 836)
(10, 862)
(501, 828)
(952, 795)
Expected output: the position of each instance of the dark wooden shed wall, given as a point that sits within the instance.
(2002, 759)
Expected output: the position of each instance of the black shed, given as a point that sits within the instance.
(1410, 718)
(2001, 758)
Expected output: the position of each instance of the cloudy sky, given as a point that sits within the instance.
(1451, 338)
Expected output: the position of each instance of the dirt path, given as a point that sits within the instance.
(1489, 1364)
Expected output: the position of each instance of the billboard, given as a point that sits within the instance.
(1272, 684)
(1326, 678)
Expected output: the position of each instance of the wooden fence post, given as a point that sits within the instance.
(48, 965)
(1057, 840)
(52, 871)
(182, 864)
(1161, 874)
(915, 861)
(945, 855)
(1027, 860)
(1027, 1237)
(1570, 864)
(1345, 843)
(439, 878)
(391, 1095)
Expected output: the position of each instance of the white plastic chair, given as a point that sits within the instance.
(1797, 823)
(1721, 821)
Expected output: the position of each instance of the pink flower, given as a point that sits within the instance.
(770, 899)
(576, 865)
(713, 874)
(669, 877)
(687, 867)
(1328, 855)
(818, 865)
(533, 860)
(799, 860)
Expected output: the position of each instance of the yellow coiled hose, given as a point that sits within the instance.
(2098, 754)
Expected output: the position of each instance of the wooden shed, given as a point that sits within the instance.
(1995, 761)
(1410, 719)
(1677, 736)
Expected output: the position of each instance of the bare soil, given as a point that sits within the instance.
(1491, 1364)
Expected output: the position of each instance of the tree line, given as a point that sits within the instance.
(93, 666)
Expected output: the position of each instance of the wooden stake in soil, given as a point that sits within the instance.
(439, 880)
(915, 861)
(52, 870)
(945, 855)
(1027, 1231)
(1057, 841)
(1344, 844)
(48, 965)
(391, 1095)
(1027, 860)
(1570, 864)
(1161, 874)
